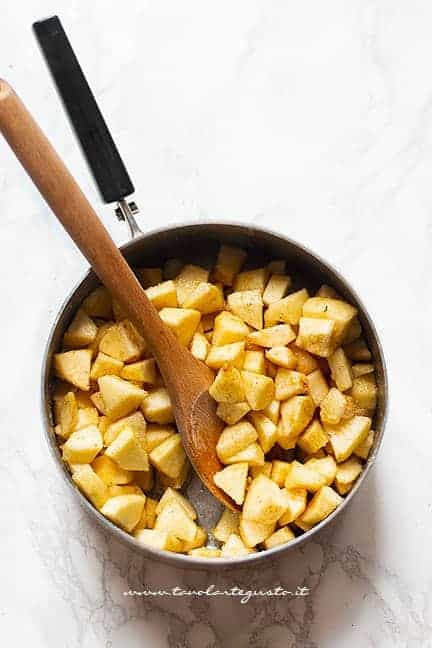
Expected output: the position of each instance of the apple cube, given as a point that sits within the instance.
(259, 390)
(296, 414)
(228, 523)
(279, 537)
(253, 533)
(169, 456)
(254, 361)
(122, 341)
(83, 445)
(200, 346)
(251, 280)
(205, 298)
(110, 472)
(341, 371)
(289, 383)
(105, 365)
(169, 495)
(263, 502)
(313, 438)
(174, 520)
(234, 547)
(183, 321)
(232, 354)
(288, 309)
(164, 295)
(158, 540)
(74, 367)
(119, 396)
(228, 386)
(188, 279)
(252, 454)
(282, 356)
(317, 386)
(363, 450)
(326, 466)
(316, 336)
(302, 476)
(66, 414)
(247, 305)
(321, 505)
(93, 487)
(228, 328)
(232, 480)
(346, 474)
(346, 436)
(98, 303)
(295, 501)
(276, 288)
(124, 510)
(229, 263)
(278, 335)
(128, 451)
(339, 312)
(81, 331)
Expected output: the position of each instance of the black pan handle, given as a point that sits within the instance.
(98, 146)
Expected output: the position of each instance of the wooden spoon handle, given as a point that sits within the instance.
(79, 219)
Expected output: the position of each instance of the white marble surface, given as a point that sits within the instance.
(314, 117)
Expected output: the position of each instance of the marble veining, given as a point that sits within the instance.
(313, 118)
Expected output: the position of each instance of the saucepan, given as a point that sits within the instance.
(195, 242)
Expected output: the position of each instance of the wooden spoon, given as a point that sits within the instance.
(187, 379)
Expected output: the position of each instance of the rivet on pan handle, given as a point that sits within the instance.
(95, 138)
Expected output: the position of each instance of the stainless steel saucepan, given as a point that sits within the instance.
(197, 243)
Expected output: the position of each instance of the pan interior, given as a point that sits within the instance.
(199, 244)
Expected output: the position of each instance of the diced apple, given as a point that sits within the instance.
(128, 451)
(266, 430)
(235, 547)
(346, 474)
(228, 523)
(110, 472)
(289, 383)
(296, 414)
(93, 487)
(66, 413)
(200, 346)
(197, 542)
(188, 279)
(272, 411)
(232, 480)
(282, 356)
(124, 510)
(122, 341)
(251, 280)
(158, 540)
(98, 303)
(169, 495)
(363, 450)
(229, 263)
(205, 552)
(183, 321)
(278, 266)
(247, 305)
(288, 309)
(336, 310)
(358, 351)
(302, 476)
(279, 471)
(228, 386)
(143, 371)
(318, 387)
(81, 331)
(264, 501)
(105, 365)
(347, 436)
(235, 438)
(326, 466)
(252, 454)
(169, 456)
(120, 397)
(253, 533)
(136, 421)
(149, 276)
(232, 413)
(279, 537)
(254, 361)
(164, 295)
(228, 328)
(174, 520)
(341, 371)
(276, 288)
(232, 354)
(332, 407)
(313, 438)
(321, 505)
(205, 298)
(316, 336)
(156, 434)
(157, 407)
(74, 367)
(306, 363)
(278, 335)
(364, 391)
(259, 390)
(83, 445)
(295, 501)
(145, 479)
